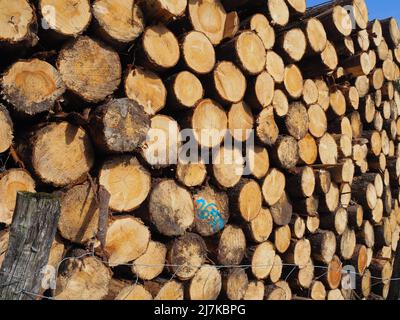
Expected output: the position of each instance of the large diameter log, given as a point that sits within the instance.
(127, 182)
(364, 193)
(169, 217)
(328, 61)
(359, 258)
(21, 31)
(84, 278)
(186, 255)
(32, 86)
(332, 275)
(260, 93)
(275, 66)
(170, 290)
(301, 183)
(297, 120)
(121, 231)
(159, 49)
(6, 129)
(336, 221)
(255, 291)
(119, 126)
(49, 146)
(185, 90)
(286, 154)
(147, 89)
(208, 17)
(206, 284)
(64, 18)
(212, 210)
(278, 12)
(84, 54)
(150, 265)
(308, 150)
(347, 244)
(79, 214)
(316, 36)
(327, 150)
(246, 51)
(299, 253)
(34, 226)
(260, 228)
(301, 278)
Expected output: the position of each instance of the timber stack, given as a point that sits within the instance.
(86, 86)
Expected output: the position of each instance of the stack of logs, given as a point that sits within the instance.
(84, 83)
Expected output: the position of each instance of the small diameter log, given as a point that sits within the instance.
(317, 291)
(64, 18)
(4, 238)
(318, 122)
(355, 216)
(363, 284)
(259, 162)
(240, 121)
(123, 230)
(308, 150)
(366, 235)
(246, 199)
(280, 103)
(227, 169)
(21, 31)
(197, 52)
(82, 279)
(331, 276)
(327, 150)
(79, 214)
(161, 147)
(308, 207)
(231, 246)
(150, 265)
(49, 147)
(297, 120)
(337, 102)
(293, 81)
(299, 253)
(352, 97)
(297, 226)
(383, 234)
(361, 40)
(274, 293)
(235, 283)
(6, 129)
(206, 284)
(323, 244)
(255, 291)
(170, 290)
(12, 182)
(260, 228)
(159, 49)
(208, 133)
(390, 31)
(346, 244)
(342, 172)
(33, 226)
(278, 12)
(286, 154)
(200, 13)
(186, 255)
(301, 183)
(310, 92)
(267, 130)
(212, 210)
(382, 270)
(134, 292)
(335, 221)
(232, 25)
(359, 258)
(328, 61)
(323, 181)
(276, 179)
(316, 36)
(292, 45)
(147, 89)
(261, 26)
(227, 84)
(262, 260)
(282, 211)
(171, 218)
(185, 90)
(119, 126)
(118, 22)
(32, 87)
(275, 66)
(335, 295)
(191, 174)
(84, 54)
(296, 7)
(164, 10)
(323, 94)
(364, 193)
(276, 271)
(246, 50)
(127, 182)
(260, 91)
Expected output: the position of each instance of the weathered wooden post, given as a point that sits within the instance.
(31, 235)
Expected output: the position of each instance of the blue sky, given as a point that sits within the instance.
(378, 9)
